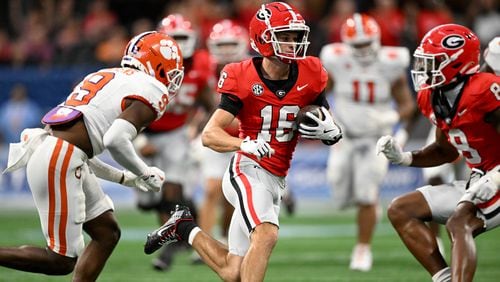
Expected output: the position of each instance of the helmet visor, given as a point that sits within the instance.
(426, 72)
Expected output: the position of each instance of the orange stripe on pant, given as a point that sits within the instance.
(63, 193)
(64, 201)
(52, 192)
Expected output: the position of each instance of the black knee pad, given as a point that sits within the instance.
(166, 206)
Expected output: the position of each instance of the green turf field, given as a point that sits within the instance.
(313, 248)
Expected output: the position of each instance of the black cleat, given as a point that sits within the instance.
(167, 233)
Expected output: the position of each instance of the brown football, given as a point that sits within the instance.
(303, 119)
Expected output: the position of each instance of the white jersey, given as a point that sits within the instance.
(100, 97)
(363, 91)
(492, 56)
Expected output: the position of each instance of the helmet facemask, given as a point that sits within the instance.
(291, 49)
(427, 69)
(175, 78)
(365, 53)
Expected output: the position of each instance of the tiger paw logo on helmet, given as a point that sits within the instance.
(169, 50)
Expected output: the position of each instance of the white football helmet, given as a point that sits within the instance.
(362, 33)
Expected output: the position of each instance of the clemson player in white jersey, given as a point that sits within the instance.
(172, 130)
(265, 93)
(105, 111)
(367, 80)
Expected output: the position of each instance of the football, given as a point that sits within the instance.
(302, 118)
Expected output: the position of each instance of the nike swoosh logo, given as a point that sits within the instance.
(462, 112)
(299, 88)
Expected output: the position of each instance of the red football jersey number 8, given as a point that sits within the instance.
(459, 140)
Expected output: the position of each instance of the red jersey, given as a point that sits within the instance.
(199, 75)
(270, 115)
(476, 140)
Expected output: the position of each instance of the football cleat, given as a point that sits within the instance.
(361, 258)
(167, 233)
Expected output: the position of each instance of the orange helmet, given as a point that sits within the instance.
(362, 33)
(158, 55)
(182, 31)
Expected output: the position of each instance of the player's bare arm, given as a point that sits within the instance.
(215, 137)
(138, 113)
(437, 153)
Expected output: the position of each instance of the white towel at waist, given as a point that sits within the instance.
(20, 153)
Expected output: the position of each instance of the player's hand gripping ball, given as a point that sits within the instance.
(302, 118)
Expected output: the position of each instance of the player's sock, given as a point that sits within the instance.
(184, 229)
(444, 275)
(193, 234)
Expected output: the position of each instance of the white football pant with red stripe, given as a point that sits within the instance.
(255, 194)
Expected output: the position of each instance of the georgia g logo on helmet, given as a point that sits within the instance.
(453, 41)
(263, 14)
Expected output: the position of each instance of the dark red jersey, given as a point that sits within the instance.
(270, 115)
(477, 140)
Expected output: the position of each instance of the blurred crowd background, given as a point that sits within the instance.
(47, 46)
(47, 33)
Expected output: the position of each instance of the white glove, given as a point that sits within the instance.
(257, 147)
(483, 189)
(326, 129)
(153, 179)
(134, 181)
(392, 151)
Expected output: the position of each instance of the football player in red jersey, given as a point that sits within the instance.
(265, 94)
(464, 104)
(172, 130)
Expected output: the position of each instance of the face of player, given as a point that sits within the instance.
(365, 53)
(288, 41)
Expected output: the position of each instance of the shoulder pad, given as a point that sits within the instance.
(334, 52)
(394, 56)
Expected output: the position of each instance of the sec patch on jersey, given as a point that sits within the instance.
(302, 118)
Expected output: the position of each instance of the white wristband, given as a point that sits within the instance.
(406, 158)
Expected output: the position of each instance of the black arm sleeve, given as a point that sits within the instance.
(322, 101)
(230, 103)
